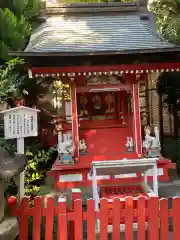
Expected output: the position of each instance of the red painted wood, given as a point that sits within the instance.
(106, 142)
(75, 121)
(23, 219)
(85, 162)
(37, 217)
(88, 183)
(129, 218)
(103, 219)
(62, 231)
(49, 213)
(12, 204)
(91, 220)
(153, 214)
(136, 119)
(116, 219)
(141, 219)
(164, 228)
(75, 196)
(103, 124)
(78, 220)
(176, 218)
(111, 192)
(122, 67)
(153, 223)
(99, 182)
(56, 179)
(84, 165)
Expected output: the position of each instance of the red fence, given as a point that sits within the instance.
(154, 211)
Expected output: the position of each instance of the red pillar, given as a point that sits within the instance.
(75, 132)
(136, 119)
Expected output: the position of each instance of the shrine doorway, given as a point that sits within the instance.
(105, 117)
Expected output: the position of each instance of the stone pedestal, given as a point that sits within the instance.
(9, 229)
(9, 167)
(155, 152)
(2, 201)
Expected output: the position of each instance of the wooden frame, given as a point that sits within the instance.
(111, 166)
(156, 210)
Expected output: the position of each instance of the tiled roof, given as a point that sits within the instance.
(95, 33)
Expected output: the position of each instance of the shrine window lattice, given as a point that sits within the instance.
(150, 106)
(97, 106)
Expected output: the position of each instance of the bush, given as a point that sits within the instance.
(40, 161)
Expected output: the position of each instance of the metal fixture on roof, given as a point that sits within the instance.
(109, 73)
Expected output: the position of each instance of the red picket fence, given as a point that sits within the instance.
(154, 211)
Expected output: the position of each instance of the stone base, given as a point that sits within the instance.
(66, 162)
(154, 153)
(9, 229)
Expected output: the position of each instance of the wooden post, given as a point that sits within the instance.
(153, 218)
(141, 217)
(137, 119)
(103, 219)
(129, 218)
(20, 150)
(116, 218)
(176, 218)
(76, 194)
(62, 232)
(155, 178)
(49, 214)
(37, 218)
(75, 131)
(23, 219)
(91, 220)
(164, 223)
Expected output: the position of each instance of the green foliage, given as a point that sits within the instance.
(167, 14)
(97, 1)
(40, 161)
(9, 79)
(15, 24)
(169, 87)
(29, 8)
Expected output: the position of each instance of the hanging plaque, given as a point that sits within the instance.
(102, 80)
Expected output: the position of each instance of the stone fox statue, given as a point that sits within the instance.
(151, 142)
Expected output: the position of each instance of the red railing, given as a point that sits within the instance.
(152, 212)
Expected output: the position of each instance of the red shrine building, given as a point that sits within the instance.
(102, 53)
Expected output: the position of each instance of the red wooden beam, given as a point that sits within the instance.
(75, 121)
(122, 67)
(136, 119)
